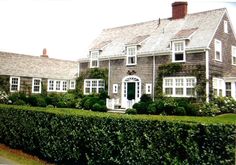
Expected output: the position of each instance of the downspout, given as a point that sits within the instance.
(153, 76)
(207, 76)
(109, 75)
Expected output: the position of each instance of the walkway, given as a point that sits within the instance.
(4, 161)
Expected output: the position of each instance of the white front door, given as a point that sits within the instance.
(131, 91)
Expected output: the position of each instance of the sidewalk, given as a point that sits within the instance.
(4, 161)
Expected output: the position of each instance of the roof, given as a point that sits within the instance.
(156, 35)
(39, 67)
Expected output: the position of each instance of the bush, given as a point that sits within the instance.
(141, 107)
(146, 98)
(67, 100)
(3, 97)
(226, 104)
(98, 107)
(17, 96)
(19, 102)
(79, 137)
(131, 111)
(209, 109)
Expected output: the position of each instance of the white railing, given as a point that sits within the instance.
(130, 103)
(111, 103)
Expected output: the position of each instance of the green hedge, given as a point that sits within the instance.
(84, 137)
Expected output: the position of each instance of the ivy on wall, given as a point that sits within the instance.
(174, 68)
(93, 73)
(4, 83)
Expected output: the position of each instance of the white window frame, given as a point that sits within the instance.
(61, 86)
(115, 88)
(218, 48)
(94, 57)
(218, 84)
(71, 84)
(228, 89)
(179, 82)
(233, 51)
(226, 30)
(149, 88)
(40, 85)
(174, 52)
(96, 83)
(18, 84)
(128, 55)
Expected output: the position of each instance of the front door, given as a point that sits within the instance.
(131, 90)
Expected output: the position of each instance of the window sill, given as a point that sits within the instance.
(178, 61)
(218, 60)
(131, 64)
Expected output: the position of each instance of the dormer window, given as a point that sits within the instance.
(178, 51)
(225, 26)
(131, 58)
(218, 50)
(94, 63)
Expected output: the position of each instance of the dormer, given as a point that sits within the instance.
(131, 55)
(94, 56)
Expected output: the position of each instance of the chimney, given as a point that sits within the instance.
(179, 10)
(44, 53)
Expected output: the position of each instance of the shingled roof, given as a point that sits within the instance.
(200, 27)
(40, 67)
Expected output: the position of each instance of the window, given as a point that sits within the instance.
(57, 85)
(64, 85)
(218, 86)
(225, 26)
(72, 84)
(233, 50)
(14, 84)
(228, 89)
(36, 85)
(115, 88)
(179, 86)
(178, 54)
(148, 88)
(131, 55)
(218, 50)
(94, 63)
(93, 86)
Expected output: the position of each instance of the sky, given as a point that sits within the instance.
(66, 28)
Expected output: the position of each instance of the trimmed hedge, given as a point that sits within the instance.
(83, 137)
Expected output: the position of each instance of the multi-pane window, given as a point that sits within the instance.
(115, 88)
(179, 86)
(93, 86)
(218, 50)
(178, 51)
(228, 89)
(14, 84)
(58, 85)
(218, 86)
(94, 63)
(50, 85)
(148, 88)
(226, 26)
(64, 85)
(36, 85)
(72, 84)
(233, 49)
(131, 55)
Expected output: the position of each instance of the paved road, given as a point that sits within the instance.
(4, 161)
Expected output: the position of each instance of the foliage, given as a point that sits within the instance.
(13, 97)
(3, 97)
(79, 137)
(131, 111)
(146, 98)
(93, 102)
(4, 84)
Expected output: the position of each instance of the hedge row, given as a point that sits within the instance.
(75, 138)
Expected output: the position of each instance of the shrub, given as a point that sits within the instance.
(98, 107)
(209, 109)
(146, 98)
(131, 111)
(79, 137)
(226, 104)
(3, 97)
(17, 96)
(141, 107)
(67, 100)
(19, 102)
(152, 108)
(50, 106)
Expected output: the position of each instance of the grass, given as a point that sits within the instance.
(19, 157)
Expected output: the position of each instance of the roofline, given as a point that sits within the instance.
(208, 45)
(231, 23)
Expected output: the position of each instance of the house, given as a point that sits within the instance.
(32, 74)
(202, 43)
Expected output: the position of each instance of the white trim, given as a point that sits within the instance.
(218, 84)
(33, 85)
(115, 88)
(226, 28)
(233, 53)
(153, 76)
(109, 76)
(174, 52)
(148, 88)
(18, 84)
(131, 56)
(181, 84)
(216, 46)
(61, 87)
(94, 55)
(96, 86)
(78, 70)
(72, 87)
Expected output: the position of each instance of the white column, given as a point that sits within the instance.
(207, 76)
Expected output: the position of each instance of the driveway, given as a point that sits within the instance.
(4, 161)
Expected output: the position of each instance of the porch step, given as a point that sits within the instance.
(120, 110)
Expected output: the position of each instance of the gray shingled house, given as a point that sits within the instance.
(31, 73)
(133, 54)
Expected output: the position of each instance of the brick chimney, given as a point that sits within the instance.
(44, 53)
(179, 10)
